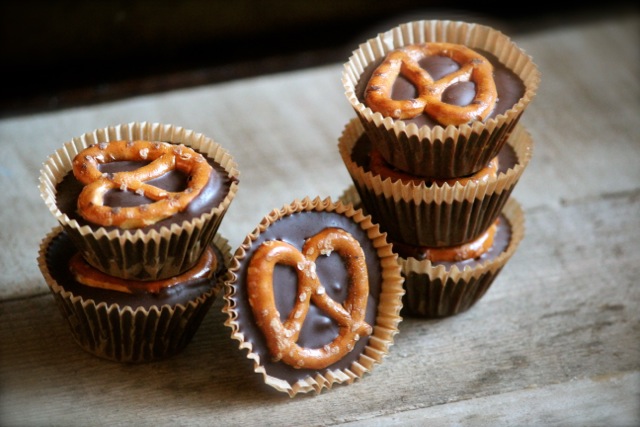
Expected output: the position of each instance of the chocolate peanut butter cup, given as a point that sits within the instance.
(314, 295)
(125, 320)
(443, 289)
(424, 213)
(152, 221)
(424, 144)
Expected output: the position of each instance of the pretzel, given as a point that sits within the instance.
(405, 61)
(164, 158)
(470, 250)
(90, 276)
(281, 337)
(379, 166)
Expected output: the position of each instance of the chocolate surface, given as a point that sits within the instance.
(318, 328)
(500, 242)
(509, 86)
(211, 196)
(61, 249)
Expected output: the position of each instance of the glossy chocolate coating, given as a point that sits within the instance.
(509, 86)
(212, 195)
(318, 328)
(61, 249)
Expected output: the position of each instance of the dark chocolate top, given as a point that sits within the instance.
(211, 196)
(318, 328)
(509, 86)
(61, 249)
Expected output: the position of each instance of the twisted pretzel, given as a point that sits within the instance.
(281, 336)
(380, 166)
(473, 67)
(90, 276)
(470, 250)
(164, 158)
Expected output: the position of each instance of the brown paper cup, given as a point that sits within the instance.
(140, 330)
(383, 316)
(140, 254)
(434, 215)
(437, 291)
(438, 151)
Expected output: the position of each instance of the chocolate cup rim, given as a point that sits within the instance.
(219, 241)
(388, 310)
(461, 32)
(440, 194)
(53, 171)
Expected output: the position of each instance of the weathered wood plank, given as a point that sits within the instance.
(561, 316)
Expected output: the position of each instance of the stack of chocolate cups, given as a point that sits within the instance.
(136, 294)
(441, 192)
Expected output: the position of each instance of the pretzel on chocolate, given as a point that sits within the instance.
(281, 336)
(163, 157)
(380, 166)
(465, 251)
(405, 61)
(90, 276)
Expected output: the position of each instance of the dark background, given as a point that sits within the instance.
(58, 54)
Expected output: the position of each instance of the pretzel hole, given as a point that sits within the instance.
(172, 181)
(460, 94)
(317, 323)
(403, 89)
(439, 66)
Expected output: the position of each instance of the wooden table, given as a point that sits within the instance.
(555, 341)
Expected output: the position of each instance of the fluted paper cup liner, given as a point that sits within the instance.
(436, 291)
(121, 327)
(295, 223)
(438, 151)
(148, 253)
(435, 215)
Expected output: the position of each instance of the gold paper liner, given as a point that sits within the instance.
(389, 306)
(434, 291)
(436, 215)
(137, 254)
(126, 334)
(442, 152)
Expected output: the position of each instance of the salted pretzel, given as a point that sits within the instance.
(281, 337)
(469, 250)
(379, 166)
(405, 61)
(90, 276)
(164, 157)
